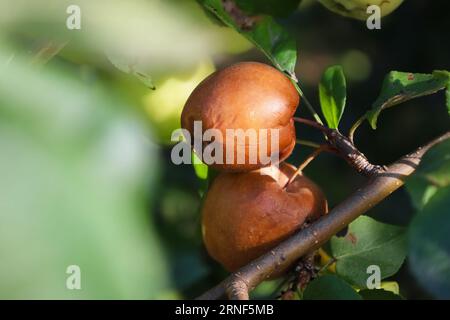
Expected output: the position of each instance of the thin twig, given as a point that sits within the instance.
(307, 143)
(307, 103)
(355, 126)
(312, 123)
(305, 163)
(376, 190)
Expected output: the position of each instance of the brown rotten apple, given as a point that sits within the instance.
(247, 95)
(246, 214)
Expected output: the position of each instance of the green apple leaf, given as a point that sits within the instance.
(201, 169)
(262, 30)
(432, 174)
(368, 242)
(399, 87)
(333, 95)
(429, 245)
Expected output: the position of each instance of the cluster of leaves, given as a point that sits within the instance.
(367, 242)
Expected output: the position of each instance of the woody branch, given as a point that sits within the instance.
(378, 187)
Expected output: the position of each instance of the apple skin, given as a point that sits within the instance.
(357, 8)
(246, 95)
(245, 215)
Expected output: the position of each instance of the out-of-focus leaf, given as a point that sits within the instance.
(262, 31)
(432, 174)
(153, 36)
(429, 245)
(368, 242)
(201, 169)
(75, 167)
(379, 294)
(330, 287)
(271, 7)
(46, 52)
(133, 69)
(165, 104)
(333, 95)
(357, 9)
(399, 87)
(420, 190)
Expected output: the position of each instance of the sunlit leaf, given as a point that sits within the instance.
(201, 169)
(399, 87)
(368, 242)
(333, 95)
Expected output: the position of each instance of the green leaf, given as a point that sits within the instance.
(399, 87)
(330, 287)
(333, 95)
(75, 168)
(420, 190)
(126, 65)
(368, 242)
(272, 7)
(201, 169)
(432, 174)
(262, 31)
(379, 294)
(429, 245)
(267, 289)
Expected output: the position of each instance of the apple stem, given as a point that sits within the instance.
(305, 163)
(308, 143)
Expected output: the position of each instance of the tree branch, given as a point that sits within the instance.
(380, 186)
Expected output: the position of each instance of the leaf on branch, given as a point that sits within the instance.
(429, 245)
(261, 30)
(368, 242)
(330, 287)
(333, 95)
(399, 87)
(432, 174)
